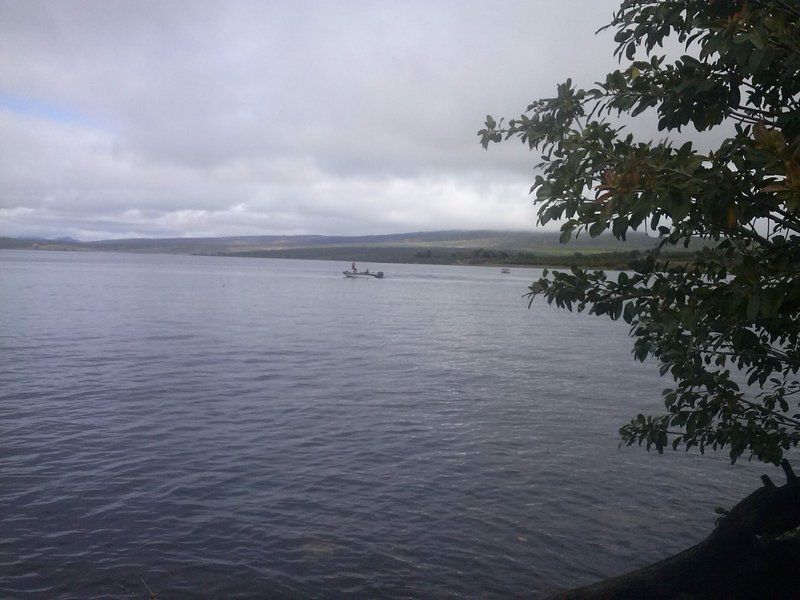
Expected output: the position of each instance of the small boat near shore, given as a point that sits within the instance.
(505, 270)
(363, 274)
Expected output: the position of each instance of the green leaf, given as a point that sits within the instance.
(597, 228)
(753, 304)
(715, 316)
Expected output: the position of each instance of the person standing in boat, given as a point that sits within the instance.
(354, 268)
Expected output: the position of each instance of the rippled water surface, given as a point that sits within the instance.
(221, 427)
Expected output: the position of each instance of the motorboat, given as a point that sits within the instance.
(363, 274)
(505, 270)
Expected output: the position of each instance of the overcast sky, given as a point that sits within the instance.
(193, 118)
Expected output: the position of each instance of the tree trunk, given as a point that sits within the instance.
(751, 554)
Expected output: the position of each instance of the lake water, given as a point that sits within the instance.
(225, 427)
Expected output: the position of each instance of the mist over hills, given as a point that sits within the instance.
(446, 247)
(459, 239)
(496, 240)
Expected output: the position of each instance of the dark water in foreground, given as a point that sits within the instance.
(265, 428)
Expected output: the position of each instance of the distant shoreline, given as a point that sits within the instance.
(475, 248)
(597, 260)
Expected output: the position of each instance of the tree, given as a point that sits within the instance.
(726, 327)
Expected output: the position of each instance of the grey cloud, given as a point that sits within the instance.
(346, 117)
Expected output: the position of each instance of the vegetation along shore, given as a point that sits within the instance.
(501, 248)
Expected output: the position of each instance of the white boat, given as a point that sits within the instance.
(364, 274)
(505, 270)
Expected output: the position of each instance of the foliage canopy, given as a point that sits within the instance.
(726, 327)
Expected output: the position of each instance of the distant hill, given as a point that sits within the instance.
(491, 240)
(445, 247)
